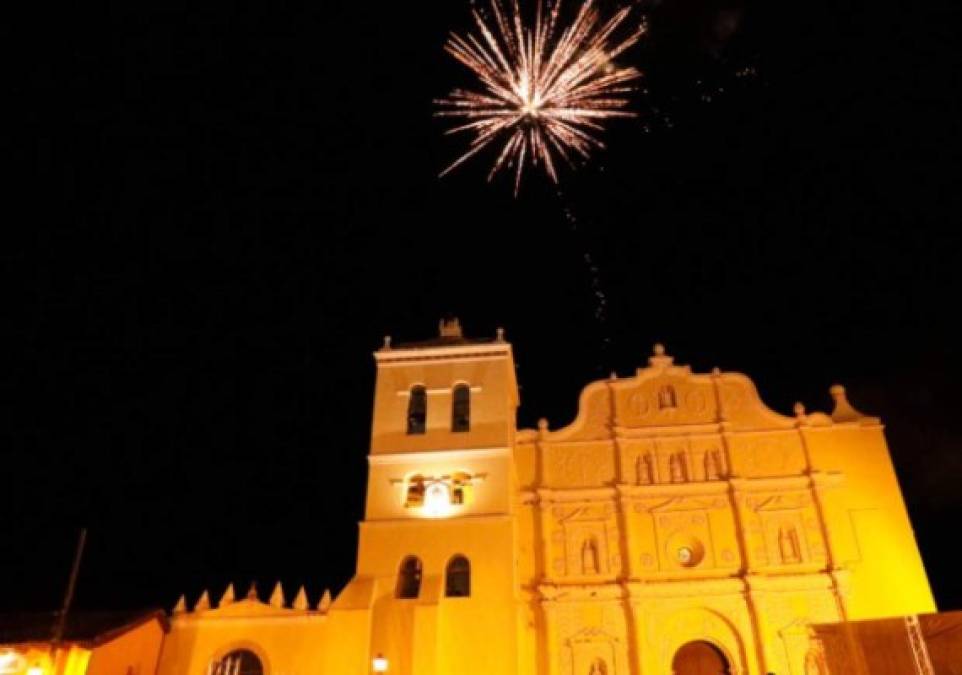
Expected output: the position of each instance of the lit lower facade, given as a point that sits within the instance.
(677, 525)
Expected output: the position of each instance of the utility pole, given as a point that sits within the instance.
(61, 622)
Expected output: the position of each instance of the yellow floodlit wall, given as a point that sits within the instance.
(38, 659)
(676, 508)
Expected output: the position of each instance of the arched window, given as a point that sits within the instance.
(417, 409)
(457, 580)
(409, 578)
(461, 408)
(238, 662)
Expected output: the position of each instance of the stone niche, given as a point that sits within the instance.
(782, 529)
(590, 637)
(583, 544)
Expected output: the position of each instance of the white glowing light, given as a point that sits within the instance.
(379, 663)
(437, 500)
(10, 662)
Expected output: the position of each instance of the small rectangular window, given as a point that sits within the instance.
(461, 408)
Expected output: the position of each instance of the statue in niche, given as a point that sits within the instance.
(667, 398)
(788, 546)
(712, 465)
(644, 467)
(589, 556)
(598, 667)
(676, 465)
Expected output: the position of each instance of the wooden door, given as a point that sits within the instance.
(699, 658)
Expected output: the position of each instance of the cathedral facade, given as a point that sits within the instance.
(676, 526)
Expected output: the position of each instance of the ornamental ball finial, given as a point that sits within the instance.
(387, 342)
(837, 391)
(543, 424)
(659, 349)
(799, 409)
(500, 334)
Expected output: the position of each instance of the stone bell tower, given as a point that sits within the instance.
(437, 542)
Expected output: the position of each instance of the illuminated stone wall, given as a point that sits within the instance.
(676, 508)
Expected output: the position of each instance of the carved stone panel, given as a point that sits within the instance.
(767, 455)
(590, 638)
(584, 542)
(782, 529)
(665, 400)
(579, 465)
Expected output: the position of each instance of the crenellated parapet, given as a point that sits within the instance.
(250, 605)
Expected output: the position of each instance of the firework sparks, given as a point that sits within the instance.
(546, 89)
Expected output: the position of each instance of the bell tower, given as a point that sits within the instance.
(438, 541)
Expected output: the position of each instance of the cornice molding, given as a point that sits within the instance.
(687, 489)
(404, 355)
(395, 458)
(798, 482)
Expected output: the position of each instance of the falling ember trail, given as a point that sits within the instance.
(599, 297)
(545, 88)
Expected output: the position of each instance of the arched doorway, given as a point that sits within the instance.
(700, 658)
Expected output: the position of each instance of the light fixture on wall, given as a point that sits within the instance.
(379, 664)
(10, 662)
(437, 500)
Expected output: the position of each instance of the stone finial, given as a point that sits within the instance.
(450, 328)
(543, 425)
(252, 591)
(659, 359)
(843, 412)
(613, 375)
(300, 602)
(500, 334)
(325, 603)
(277, 597)
(203, 602)
(228, 597)
(387, 342)
(716, 371)
(180, 607)
(799, 410)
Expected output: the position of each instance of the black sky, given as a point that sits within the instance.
(229, 207)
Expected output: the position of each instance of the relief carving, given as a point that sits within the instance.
(667, 399)
(696, 402)
(589, 556)
(712, 465)
(677, 469)
(645, 469)
(788, 546)
(639, 406)
(591, 651)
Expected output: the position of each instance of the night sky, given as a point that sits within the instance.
(232, 207)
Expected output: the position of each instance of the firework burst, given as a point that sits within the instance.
(546, 89)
